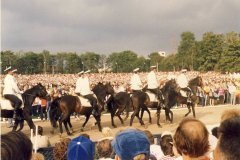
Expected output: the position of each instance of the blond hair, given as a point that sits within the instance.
(231, 113)
(140, 157)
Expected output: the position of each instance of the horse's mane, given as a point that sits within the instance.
(194, 81)
(168, 85)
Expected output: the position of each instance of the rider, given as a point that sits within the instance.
(182, 81)
(152, 82)
(83, 89)
(11, 90)
(135, 83)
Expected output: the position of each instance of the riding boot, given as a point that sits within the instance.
(16, 115)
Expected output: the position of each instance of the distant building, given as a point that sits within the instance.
(162, 53)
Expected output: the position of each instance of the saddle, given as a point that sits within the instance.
(185, 92)
(152, 96)
(85, 102)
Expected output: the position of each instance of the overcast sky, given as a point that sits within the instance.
(106, 26)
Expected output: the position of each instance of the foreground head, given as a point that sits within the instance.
(15, 144)
(104, 148)
(131, 144)
(228, 147)
(60, 149)
(81, 148)
(166, 143)
(191, 138)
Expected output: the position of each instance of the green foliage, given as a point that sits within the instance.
(90, 61)
(8, 58)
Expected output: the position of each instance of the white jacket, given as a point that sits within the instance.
(83, 86)
(10, 85)
(135, 82)
(152, 80)
(182, 81)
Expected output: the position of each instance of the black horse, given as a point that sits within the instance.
(63, 107)
(117, 103)
(28, 97)
(172, 96)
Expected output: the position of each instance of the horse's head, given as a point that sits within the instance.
(196, 82)
(41, 91)
(109, 88)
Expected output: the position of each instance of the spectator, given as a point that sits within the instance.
(155, 149)
(228, 147)
(15, 145)
(191, 139)
(166, 144)
(131, 144)
(232, 91)
(60, 149)
(81, 148)
(104, 149)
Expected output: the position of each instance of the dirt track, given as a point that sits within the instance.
(208, 115)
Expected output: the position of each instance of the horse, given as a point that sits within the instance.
(116, 104)
(172, 96)
(62, 108)
(25, 113)
(142, 100)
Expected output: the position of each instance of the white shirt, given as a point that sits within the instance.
(83, 86)
(135, 82)
(156, 151)
(232, 89)
(10, 85)
(182, 81)
(152, 80)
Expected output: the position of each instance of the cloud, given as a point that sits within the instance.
(107, 26)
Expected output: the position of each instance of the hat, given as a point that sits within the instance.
(81, 148)
(165, 133)
(152, 67)
(136, 69)
(130, 143)
(184, 70)
(8, 69)
(88, 71)
(15, 70)
(81, 72)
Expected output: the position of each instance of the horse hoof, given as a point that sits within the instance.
(159, 126)
(81, 129)
(114, 126)
(70, 134)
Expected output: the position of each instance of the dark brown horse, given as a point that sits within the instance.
(141, 102)
(172, 96)
(62, 108)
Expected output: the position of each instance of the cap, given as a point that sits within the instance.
(81, 148)
(184, 70)
(166, 133)
(153, 67)
(81, 72)
(8, 69)
(130, 143)
(88, 71)
(136, 69)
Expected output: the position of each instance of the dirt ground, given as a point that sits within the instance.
(208, 115)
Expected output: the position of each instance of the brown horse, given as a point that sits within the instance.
(63, 107)
(172, 96)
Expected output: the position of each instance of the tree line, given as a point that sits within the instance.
(214, 52)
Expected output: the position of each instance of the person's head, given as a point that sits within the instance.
(104, 148)
(81, 148)
(15, 144)
(153, 68)
(191, 138)
(60, 149)
(231, 113)
(228, 147)
(150, 136)
(166, 143)
(131, 144)
(85, 135)
(136, 70)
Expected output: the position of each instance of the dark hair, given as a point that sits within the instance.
(150, 136)
(85, 135)
(15, 144)
(229, 141)
(215, 132)
(60, 149)
(191, 138)
(104, 148)
(166, 144)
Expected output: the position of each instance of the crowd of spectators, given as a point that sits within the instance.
(192, 140)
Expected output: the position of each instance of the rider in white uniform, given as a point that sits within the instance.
(182, 81)
(135, 83)
(83, 89)
(152, 81)
(11, 90)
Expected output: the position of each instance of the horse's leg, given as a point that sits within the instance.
(158, 115)
(133, 115)
(98, 119)
(69, 123)
(27, 117)
(120, 118)
(112, 118)
(21, 123)
(86, 120)
(193, 110)
(189, 110)
(15, 125)
(171, 119)
(149, 115)
(60, 126)
(140, 119)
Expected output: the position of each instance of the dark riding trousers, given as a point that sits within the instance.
(14, 99)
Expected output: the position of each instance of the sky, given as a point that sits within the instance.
(106, 26)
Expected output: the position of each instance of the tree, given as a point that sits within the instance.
(73, 64)
(186, 50)
(8, 58)
(90, 61)
(156, 59)
(210, 50)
